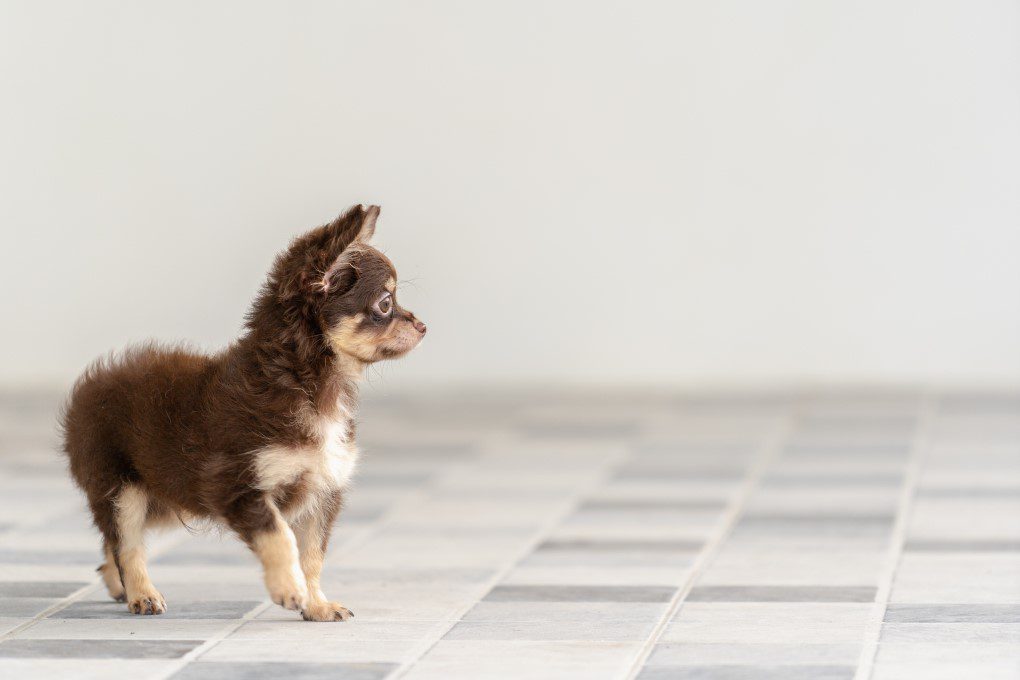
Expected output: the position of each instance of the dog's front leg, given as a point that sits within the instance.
(313, 531)
(259, 523)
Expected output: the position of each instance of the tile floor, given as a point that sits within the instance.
(822, 536)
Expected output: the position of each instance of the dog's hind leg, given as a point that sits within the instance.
(111, 575)
(131, 511)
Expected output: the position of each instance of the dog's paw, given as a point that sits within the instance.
(287, 588)
(146, 603)
(117, 593)
(113, 583)
(326, 611)
(295, 598)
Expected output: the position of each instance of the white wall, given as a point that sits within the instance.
(654, 191)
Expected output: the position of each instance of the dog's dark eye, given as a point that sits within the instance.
(384, 305)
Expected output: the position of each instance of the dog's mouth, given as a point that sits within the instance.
(368, 345)
(403, 343)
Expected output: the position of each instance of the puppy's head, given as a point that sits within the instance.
(358, 309)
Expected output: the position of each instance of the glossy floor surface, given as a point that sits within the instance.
(823, 536)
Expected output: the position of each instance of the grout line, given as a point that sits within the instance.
(769, 448)
(355, 540)
(211, 642)
(171, 543)
(570, 503)
(97, 582)
(769, 451)
(919, 447)
(53, 608)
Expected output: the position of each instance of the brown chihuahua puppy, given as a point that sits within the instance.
(259, 437)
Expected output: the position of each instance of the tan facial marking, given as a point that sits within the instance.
(391, 285)
(346, 338)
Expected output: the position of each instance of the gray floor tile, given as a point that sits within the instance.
(952, 613)
(957, 578)
(610, 546)
(537, 593)
(854, 451)
(288, 628)
(735, 672)
(592, 553)
(970, 492)
(595, 429)
(818, 516)
(799, 525)
(459, 488)
(313, 648)
(856, 422)
(9, 623)
(782, 594)
(664, 472)
(431, 453)
(205, 558)
(87, 669)
(680, 654)
(239, 670)
(814, 481)
(370, 480)
(525, 659)
(96, 649)
(25, 606)
(82, 557)
(951, 633)
(599, 575)
(619, 560)
(769, 623)
(699, 450)
(643, 505)
(592, 629)
(981, 402)
(39, 588)
(960, 545)
(213, 609)
(946, 661)
(565, 611)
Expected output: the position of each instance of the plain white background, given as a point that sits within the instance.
(654, 192)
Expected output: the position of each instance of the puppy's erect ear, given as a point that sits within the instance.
(363, 229)
(342, 274)
(307, 266)
(357, 225)
(370, 213)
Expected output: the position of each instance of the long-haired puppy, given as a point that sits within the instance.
(259, 437)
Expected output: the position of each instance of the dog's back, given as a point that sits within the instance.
(127, 417)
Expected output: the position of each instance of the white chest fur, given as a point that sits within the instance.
(326, 465)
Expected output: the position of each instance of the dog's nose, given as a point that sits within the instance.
(420, 327)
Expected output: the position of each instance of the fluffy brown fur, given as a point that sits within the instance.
(259, 437)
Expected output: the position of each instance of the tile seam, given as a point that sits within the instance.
(570, 503)
(894, 552)
(769, 451)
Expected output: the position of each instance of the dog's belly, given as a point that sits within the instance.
(303, 475)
